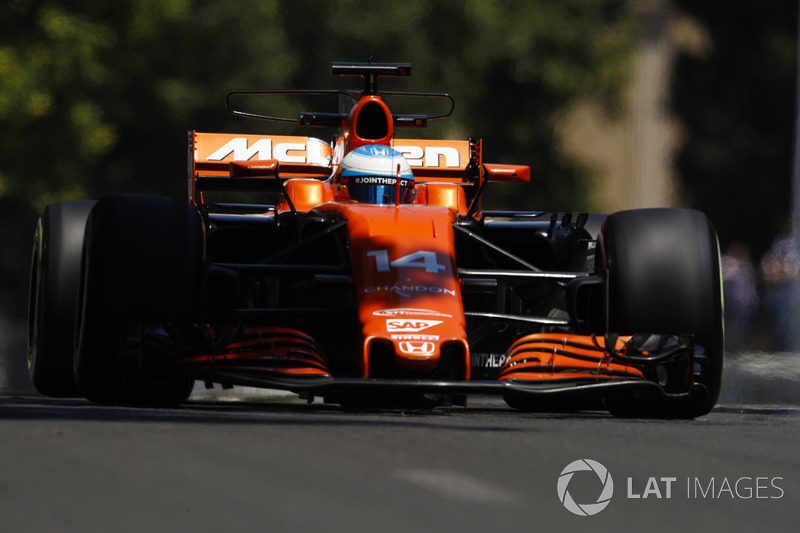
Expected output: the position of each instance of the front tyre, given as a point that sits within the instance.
(664, 277)
(53, 296)
(142, 264)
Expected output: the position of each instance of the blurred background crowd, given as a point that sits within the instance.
(761, 299)
(615, 104)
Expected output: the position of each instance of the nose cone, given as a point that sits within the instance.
(406, 282)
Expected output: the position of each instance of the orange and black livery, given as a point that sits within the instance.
(364, 269)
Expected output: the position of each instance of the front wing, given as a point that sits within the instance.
(544, 368)
(547, 392)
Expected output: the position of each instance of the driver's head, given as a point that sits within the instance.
(369, 174)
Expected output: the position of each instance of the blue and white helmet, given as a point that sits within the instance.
(369, 174)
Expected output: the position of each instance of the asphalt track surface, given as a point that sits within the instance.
(275, 464)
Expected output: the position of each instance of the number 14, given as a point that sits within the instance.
(426, 260)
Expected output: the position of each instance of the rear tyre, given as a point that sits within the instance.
(53, 296)
(664, 277)
(142, 264)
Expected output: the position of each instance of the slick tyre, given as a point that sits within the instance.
(664, 277)
(53, 296)
(142, 264)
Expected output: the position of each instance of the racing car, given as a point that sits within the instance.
(365, 271)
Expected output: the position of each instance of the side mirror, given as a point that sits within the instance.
(508, 173)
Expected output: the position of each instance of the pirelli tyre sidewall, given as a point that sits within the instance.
(53, 296)
(142, 264)
(664, 277)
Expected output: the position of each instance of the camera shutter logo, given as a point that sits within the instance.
(587, 509)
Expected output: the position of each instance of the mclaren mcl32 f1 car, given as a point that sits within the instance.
(364, 271)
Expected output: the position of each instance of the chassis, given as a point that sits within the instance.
(134, 298)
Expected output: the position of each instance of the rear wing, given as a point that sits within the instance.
(238, 162)
(432, 160)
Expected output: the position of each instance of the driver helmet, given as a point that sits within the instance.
(369, 174)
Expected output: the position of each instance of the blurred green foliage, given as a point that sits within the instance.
(96, 96)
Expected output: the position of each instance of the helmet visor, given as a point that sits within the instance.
(380, 189)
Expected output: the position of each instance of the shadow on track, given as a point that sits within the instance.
(482, 418)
